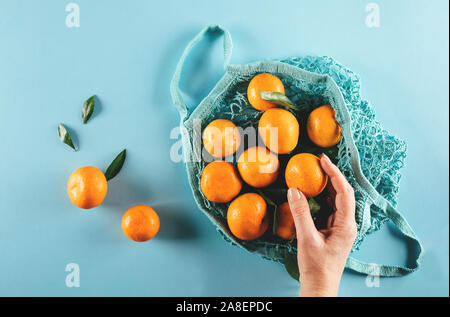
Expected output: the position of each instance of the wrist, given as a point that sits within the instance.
(319, 285)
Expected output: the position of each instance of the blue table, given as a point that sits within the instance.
(126, 54)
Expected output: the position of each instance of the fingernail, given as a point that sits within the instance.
(294, 194)
(326, 158)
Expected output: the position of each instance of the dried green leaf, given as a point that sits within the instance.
(291, 265)
(88, 109)
(115, 166)
(64, 136)
(278, 99)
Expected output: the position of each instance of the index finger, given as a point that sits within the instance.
(345, 196)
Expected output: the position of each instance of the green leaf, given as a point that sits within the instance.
(276, 194)
(278, 99)
(314, 207)
(88, 109)
(291, 265)
(64, 136)
(275, 222)
(115, 166)
(274, 205)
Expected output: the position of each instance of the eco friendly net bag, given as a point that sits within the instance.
(367, 155)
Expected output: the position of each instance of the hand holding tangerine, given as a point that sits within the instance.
(328, 247)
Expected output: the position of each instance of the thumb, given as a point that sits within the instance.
(299, 206)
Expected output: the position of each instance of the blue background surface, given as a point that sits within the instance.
(125, 52)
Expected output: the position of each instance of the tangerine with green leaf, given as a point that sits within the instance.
(263, 82)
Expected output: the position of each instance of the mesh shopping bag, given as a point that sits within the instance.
(369, 157)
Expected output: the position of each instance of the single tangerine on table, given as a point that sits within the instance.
(87, 187)
(247, 216)
(285, 222)
(221, 138)
(263, 82)
(304, 172)
(140, 223)
(285, 138)
(322, 127)
(258, 166)
(220, 182)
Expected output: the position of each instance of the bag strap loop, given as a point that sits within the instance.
(390, 270)
(174, 85)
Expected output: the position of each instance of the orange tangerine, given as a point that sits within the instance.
(279, 130)
(303, 171)
(263, 82)
(322, 127)
(285, 222)
(220, 182)
(87, 187)
(221, 138)
(140, 223)
(258, 166)
(247, 216)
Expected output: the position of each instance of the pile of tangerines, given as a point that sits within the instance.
(221, 181)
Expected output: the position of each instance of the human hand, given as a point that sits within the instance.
(322, 254)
